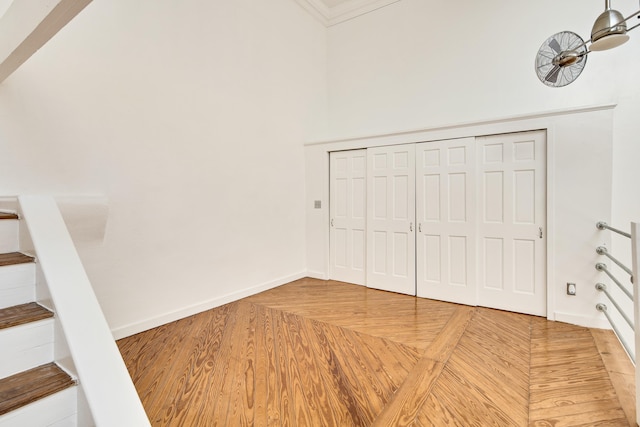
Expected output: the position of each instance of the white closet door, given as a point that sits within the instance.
(445, 212)
(511, 216)
(391, 218)
(348, 215)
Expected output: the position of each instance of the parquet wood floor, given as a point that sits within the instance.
(318, 353)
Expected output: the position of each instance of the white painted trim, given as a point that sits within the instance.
(58, 409)
(9, 240)
(550, 223)
(26, 346)
(153, 322)
(453, 130)
(317, 9)
(587, 322)
(330, 16)
(635, 266)
(355, 8)
(317, 275)
(111, 395)
(17, 284)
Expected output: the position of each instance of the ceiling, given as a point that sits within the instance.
(331, 12)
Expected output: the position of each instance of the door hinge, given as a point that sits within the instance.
(540, 232)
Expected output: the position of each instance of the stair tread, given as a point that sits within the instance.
(8, 215)
(12, 258)
(29, 386)
(23, 313)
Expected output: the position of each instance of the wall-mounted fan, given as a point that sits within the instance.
(561, 59)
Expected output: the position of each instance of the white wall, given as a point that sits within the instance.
(427, 65)
(417, 63)
(187, 117)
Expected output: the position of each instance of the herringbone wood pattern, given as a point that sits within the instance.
(316, 353)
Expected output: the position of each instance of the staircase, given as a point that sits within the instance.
(34, 390)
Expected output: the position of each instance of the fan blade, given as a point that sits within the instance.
(553, 44)
(552, 76)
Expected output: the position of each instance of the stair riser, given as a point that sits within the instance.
(9, 241)
(17, 284)
(57, 410)
(26, 346)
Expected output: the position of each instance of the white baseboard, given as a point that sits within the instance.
(587, 322)
(317, 275)
(154, 322)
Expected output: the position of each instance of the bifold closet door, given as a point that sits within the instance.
(391, 218)
(348, 209)
(512, 222)
(445, 213)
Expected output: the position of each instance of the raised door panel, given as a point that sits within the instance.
(348, 216)
(512, 220)
(445, 213)
(390, 223)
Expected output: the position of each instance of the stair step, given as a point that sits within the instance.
(17, 284)
(9, 233)
(27, 387)
(23, 313)
(8, 215)
(13, 258)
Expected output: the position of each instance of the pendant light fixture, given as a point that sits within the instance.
(562, 57)
(609, 30)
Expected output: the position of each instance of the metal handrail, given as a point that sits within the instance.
(603, 288)
(603, 308)
(603, 225)
(601, 250)
(602, 267)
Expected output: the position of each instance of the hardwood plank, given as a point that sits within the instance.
(373, 312)
(23, 313)
(407, 402)
(13, 258)
(498, 387)
(569, 382)
(620, 369)
(325, 353)
(26, 387)
(8, 215)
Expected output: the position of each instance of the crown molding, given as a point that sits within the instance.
(343, 12)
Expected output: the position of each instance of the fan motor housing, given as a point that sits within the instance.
(566, 58)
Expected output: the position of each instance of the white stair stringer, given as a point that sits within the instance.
(57, 410)
(26, 346)
(29, 345)
(17, 284)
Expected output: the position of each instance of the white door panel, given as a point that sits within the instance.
(445, 212)
(512, 220)
(348, 216)
(457, 220)
(391, 219)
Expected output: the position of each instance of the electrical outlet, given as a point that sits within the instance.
(571, 289)
(317, 204)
